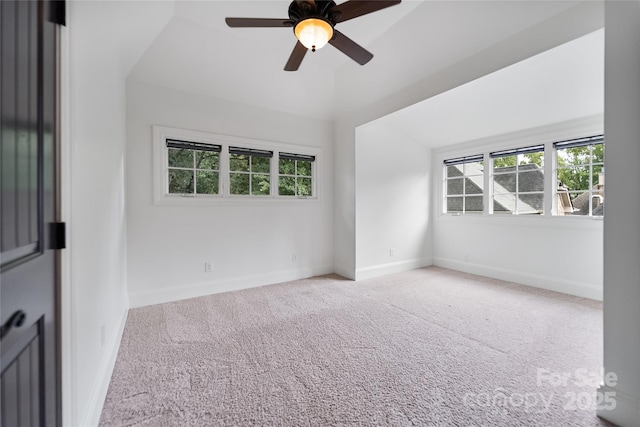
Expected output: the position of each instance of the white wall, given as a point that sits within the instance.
(96, 58)
(562, 254)
(249, 243)
(621, 223)
(353, 112)
(392, 201)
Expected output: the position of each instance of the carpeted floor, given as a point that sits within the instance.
(426, 347)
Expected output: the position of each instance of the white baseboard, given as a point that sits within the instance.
(626, 411)
(393, 267)
(344, 272)
(96, 402)
(584, 290)
(194, 290)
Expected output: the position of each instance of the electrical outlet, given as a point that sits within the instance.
(294, 257)
(392, 252)
(208, 268)
(102, 334)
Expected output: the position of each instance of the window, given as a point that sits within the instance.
(580, 176)
(295, 175)
(201, 168)
(249, 171)
(464, 184)
(193, 168)
(518, 181)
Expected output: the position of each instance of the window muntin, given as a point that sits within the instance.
(249, 171)
(295, 175)
(192, 167)
(518, 181)
(464, 185)
(580, 176)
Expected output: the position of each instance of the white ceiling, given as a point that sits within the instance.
(196, 52)
(561, 84)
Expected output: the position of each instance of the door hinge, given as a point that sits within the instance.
(58, 235)
(59, 12)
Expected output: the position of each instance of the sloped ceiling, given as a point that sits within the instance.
(196, 52)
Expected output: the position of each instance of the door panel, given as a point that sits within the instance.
(28, 281)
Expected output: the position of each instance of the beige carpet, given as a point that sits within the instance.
(425, 347)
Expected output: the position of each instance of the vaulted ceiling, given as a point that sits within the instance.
(196, 52)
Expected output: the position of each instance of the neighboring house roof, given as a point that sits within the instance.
(530, 178)
(581, 204)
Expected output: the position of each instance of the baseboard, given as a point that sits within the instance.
(96, 402)
(393, 267)
(584, 290)
(194, 290)
(345, 272)
(627, 408)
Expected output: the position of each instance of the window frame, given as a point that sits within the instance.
(296, 157)
(538, 148)
(161, 196)
(589, 141)
(195, 147)
(543, 135)
(446, 179)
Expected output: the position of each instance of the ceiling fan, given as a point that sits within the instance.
(314, 23)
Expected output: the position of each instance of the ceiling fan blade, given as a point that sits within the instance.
(354, 8)
(297, 55)
(350, 48)
(258, 22)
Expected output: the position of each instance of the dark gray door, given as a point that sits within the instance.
(28, 272)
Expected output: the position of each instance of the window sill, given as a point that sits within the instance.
(561, 221)
(185, 200)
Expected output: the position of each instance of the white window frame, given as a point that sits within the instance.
(161, 195)
(463, 161)
(590, 141)
(545, 135)
(295, 176)
(517, 152)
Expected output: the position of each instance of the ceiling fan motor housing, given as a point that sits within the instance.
(300, 10)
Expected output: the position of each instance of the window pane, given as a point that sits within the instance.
(530, 181)
(239, 163)
(260, 164)
(180, 181)
(304, 168)
(207, 160)
(598, 175)
(260, 185)
(206, 182)
(455, 186)
(504, 203)
(287, 167)
(454, 204)
(304, 187)
(575, 178)
(474, 168)
(530, 203)
(474, 204)
(574, 156)
(500, 163)
(504, 183)
(287, 186)
(598, 153)
(453, 171)
(536, 158)
(597, 203)
(179, 158)
(474, 186)
(239, 183)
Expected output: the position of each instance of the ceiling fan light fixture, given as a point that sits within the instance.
(313, 33)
